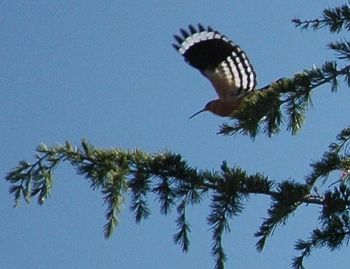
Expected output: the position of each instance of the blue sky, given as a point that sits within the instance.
(106, 71)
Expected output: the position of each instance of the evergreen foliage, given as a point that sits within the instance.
(176, 185)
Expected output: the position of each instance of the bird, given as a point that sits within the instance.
(222, 62)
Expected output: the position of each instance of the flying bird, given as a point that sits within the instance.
(222, 62)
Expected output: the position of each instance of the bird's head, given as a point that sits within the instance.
(219, 108)
(210, 106)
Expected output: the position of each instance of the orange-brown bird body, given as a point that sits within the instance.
(222, 62)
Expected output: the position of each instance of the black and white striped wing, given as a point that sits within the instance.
(219, 59)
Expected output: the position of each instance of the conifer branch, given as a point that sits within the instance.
(336, 158)
(168, 178)
(336, 19)
(261, 112)
(166, 175)
(335, 226)
(181, 237)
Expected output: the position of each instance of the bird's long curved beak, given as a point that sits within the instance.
(195, 114)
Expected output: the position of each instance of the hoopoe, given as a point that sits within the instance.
(222, 62)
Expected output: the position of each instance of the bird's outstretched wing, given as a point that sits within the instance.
(219, 59)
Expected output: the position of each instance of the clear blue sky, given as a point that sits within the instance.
(106, 71)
